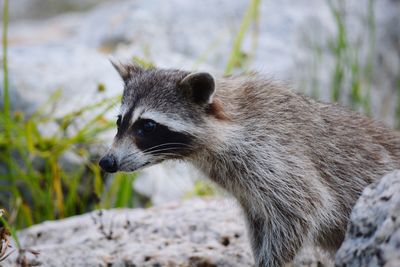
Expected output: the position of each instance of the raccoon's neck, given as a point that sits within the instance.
(235, 162)
(259, 174)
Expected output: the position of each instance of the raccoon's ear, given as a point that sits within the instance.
(199, 86)
(126, 71)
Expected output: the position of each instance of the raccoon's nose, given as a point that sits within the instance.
(108, 163)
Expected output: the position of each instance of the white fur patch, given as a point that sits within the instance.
(122, 110)
(136, 114)
(128, 156)
(172, 123)
(169, 121)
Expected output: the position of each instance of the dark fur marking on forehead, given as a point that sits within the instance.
(154, 82)
(165, 141)
(125, 122)
(160, 90)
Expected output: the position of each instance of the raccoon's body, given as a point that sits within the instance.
(295, 165)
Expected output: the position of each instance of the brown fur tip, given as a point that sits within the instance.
(215, 109)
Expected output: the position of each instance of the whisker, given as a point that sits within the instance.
(126, 160)
(150, 148)
(147, 151)
(166, 149)
(165, 144)
(180, 146)
(169, 154)
(125, 163)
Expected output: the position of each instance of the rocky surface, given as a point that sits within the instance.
(205, 232)
(39, 9)
(373, 235)
(195, 233)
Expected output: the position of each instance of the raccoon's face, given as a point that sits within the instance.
(162, 117)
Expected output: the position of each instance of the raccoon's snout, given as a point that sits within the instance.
(108, 163)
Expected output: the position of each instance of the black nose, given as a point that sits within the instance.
(108, 164)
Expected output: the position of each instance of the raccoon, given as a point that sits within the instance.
(296, 166)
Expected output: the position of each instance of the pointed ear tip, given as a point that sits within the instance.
(117, 64)
(123, 69)
(113, 60)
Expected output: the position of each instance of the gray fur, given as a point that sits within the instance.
(295, 165)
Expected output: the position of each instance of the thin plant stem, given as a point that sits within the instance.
(5, 65)
(370, 60)
(235, 54)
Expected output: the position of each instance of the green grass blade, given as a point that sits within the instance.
(236, 55)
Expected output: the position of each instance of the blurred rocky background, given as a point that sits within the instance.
(207, 233)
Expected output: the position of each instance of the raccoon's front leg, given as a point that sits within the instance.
(262, 252)
(273, 243)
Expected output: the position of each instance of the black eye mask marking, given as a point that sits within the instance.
(123, 123)
(145, 127)
(119, 118)
(161, 140)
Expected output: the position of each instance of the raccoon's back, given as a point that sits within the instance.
(340, 142)
(361, 144)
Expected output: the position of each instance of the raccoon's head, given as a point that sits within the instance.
(162, 116)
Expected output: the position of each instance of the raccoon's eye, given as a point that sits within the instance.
(119, 120)
(147, 127)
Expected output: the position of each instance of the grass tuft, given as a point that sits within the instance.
(35, 183)
(237, 56)
(351, 80)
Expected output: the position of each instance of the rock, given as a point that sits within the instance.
(199, 232)
(195, 233)
(39, 9)
(373, 235)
